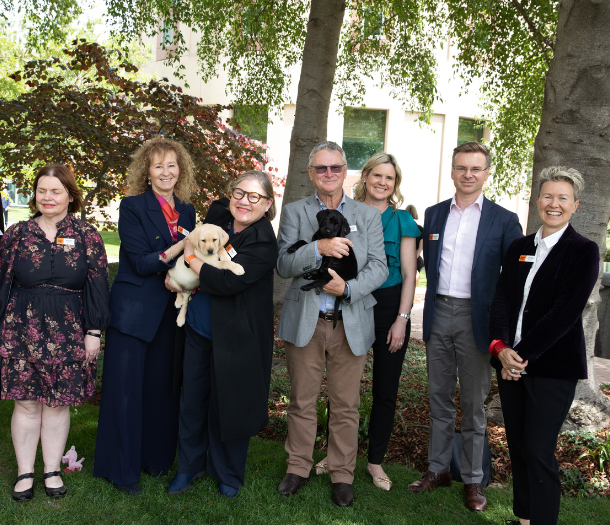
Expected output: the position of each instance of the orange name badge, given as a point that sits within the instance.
(527, 258)
(433, 237)
(183, 231)
(230, 250)
(65, 241)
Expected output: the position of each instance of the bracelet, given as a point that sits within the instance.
(93, 334)
(171, 253)
(406, 316)
(188, 260)
(496, 346)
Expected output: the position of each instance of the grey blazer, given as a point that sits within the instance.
(300, 313)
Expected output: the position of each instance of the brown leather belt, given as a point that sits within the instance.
(328, 316)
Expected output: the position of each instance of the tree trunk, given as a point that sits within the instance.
(313, 100)
(575, 132)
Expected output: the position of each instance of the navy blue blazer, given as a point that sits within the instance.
(498, 228)
(138, 297)
(552, 336)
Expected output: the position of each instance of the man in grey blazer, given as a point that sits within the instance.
(306, 324)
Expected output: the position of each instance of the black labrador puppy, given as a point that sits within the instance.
(331, 224)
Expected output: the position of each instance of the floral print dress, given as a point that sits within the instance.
(59, 291)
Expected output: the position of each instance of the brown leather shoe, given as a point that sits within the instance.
(431, 480)
(343, 494)
(475, 499)
(291, 484)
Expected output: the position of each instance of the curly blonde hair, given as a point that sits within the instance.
(396, 199)
(137, 173)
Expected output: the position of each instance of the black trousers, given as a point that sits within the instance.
(138, 421)
(534, 409)
(387, 367)
(199, 444)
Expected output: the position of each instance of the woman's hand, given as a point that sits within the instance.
(168, 284)
(173, 252)
(397, 333)
(92, 347)
(507, 375)
(512, 363)
(188, 248)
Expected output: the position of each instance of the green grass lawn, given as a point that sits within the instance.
(422, 279)
(112, 243)
(18, 214)
(91, 500)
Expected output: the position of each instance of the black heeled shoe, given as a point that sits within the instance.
(27, 494)
(56, 492)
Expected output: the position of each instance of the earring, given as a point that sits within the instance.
(149, 183)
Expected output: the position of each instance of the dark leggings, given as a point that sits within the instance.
(387, 367)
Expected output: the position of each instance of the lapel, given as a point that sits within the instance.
(439, 224)
(183, 220)
(487, 216)
(155, 214)
(349, 211)
(312, 207)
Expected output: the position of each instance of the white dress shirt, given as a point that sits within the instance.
(459, 242)
(543, 248)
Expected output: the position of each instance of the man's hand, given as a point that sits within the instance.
(336, 286)
(337, 247)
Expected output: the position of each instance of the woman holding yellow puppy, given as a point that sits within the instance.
(229, 342)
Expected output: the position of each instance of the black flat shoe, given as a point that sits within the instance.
(56, 492)
(27, 494)
(133, 489)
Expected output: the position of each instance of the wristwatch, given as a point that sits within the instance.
(406, 316)
(93, 334)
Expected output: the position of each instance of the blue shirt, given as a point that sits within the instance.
(327, 301)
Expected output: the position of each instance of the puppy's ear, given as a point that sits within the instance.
(345, 229)
(193, 238)
(224, 237)
(321, 215)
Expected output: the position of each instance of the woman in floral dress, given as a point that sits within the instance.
(54, 300)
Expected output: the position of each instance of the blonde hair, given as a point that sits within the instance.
(413, 211)
(264, 180)
(562, 174)
(395, 199)
(137, 173)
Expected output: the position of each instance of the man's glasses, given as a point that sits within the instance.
(253, 197)
(321, 170)
(475, 171)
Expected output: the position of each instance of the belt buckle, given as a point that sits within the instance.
(328, 316)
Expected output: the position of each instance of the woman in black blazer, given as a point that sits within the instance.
(538, 346)
(138, 421)
(229, 342)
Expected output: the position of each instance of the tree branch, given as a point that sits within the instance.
(544, 42)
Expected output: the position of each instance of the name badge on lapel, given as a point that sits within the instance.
(527, 258)
(183, 231)
(65, 241)
(433, 237)
(230, 250)
(353, 228)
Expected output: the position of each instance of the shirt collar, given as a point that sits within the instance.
(324, 207)
(478, 202)
(550, 240)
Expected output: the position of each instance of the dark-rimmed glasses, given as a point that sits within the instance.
(253, 197)
(321, 170)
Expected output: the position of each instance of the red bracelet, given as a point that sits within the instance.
(496, 346)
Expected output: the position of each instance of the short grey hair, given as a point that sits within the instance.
(562, 174)
(264, 180)
(328, 145)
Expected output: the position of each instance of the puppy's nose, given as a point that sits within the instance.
(210, 251)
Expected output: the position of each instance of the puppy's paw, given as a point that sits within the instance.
(238, 269)
(178, 301)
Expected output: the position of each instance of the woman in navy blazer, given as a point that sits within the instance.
(538, 346)
(138, 421)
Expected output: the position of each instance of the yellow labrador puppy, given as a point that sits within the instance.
(208, 242)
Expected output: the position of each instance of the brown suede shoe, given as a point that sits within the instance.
(431, 480)
(475, 499)
(343, 494)
(291, 484)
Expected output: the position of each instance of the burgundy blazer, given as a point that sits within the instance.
(552, 337)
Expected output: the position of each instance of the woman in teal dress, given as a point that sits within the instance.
(379, 186)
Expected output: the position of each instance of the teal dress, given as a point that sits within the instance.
(396, 226)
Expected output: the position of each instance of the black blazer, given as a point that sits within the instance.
(138, 297)
(552, 337)
(498, 228)
(242, 325)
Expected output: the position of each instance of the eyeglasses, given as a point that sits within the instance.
(321, 170)
(253, 197)
(462, 169)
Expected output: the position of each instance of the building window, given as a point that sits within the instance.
(167, 34)
(18, 199)
(372, 23)
(469, 131)
(252, 120)
(363, 135)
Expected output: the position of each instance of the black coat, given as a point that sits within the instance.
(242, 325)
(552, 336)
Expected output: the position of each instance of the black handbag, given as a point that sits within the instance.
(456, 460)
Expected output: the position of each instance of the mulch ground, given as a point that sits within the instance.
(409, 441)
